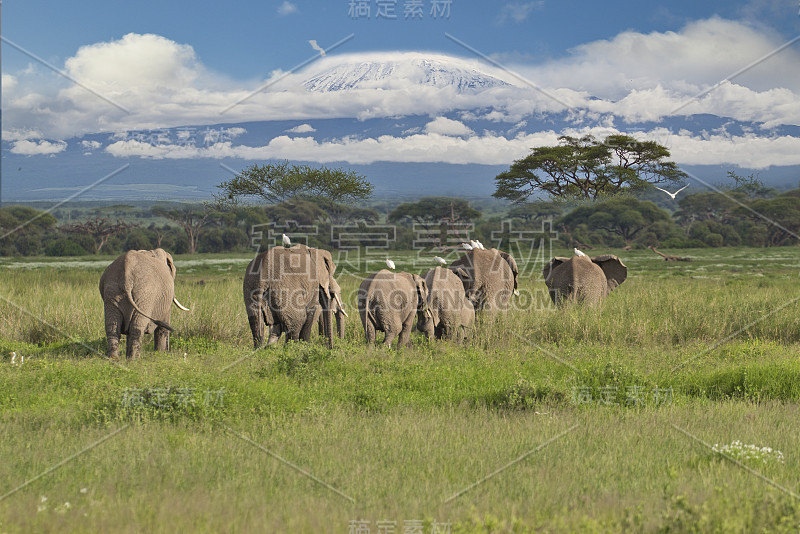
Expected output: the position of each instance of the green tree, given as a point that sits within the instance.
(780, 216)
(278, 182)
(586, 168)
(428, 211)
(100, 229)
(626, 217)
(751, 186)
(191, 219)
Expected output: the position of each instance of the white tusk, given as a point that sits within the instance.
(179, 305)
(339, 302)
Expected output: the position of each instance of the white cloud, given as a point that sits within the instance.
(9, 82)
(698, 56)
(39, 147)
(302, 128)
(287, 8)
(518, 11)
(91, 145)
(632, 76)
(747, 151)
(445, 126)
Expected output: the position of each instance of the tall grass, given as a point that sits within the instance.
(402, 431)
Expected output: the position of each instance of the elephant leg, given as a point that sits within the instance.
(390, 335)
(133, 348)
(447, 332)
(257, 329)
(369, 330)
(275, 332)
(314, 319)
(161, 339)
(113, 330)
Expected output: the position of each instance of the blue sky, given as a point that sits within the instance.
(605, 67)
(246, 40)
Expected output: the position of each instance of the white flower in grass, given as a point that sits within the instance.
(739, 451)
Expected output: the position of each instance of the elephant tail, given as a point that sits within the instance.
(162, 324)
(369, 322)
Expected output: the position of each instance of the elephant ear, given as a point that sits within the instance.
(511, 263)
(324, 258)
(547, 271)
(616, 272)
(170, 264)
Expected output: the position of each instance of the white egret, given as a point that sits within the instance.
(579, 253)
(286, 241)
(390, 264)
(466, 246)
(440, 260)
(673, 195)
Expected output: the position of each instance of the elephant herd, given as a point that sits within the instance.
(292, 290)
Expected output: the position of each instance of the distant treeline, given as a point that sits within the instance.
(746, 215)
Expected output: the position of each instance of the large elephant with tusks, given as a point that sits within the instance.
(287, 290)
(138, 291)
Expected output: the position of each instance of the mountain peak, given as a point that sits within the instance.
(397, 73)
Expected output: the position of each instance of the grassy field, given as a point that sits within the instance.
(580, 419)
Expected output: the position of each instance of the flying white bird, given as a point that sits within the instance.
(440, 260)
(673, 195)
(579, 253)
(390, 264)
(466, 246)
(315, 46)
(286, 241)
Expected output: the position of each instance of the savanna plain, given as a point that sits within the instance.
(549, 420)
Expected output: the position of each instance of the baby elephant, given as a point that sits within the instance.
(388, 301)
(138, 292)
(583, 279)
(451, 313)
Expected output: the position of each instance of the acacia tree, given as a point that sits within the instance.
(280, 182)
(586, 168)
(190, 218)
(626, 217)
(100, 229)
(444, 212)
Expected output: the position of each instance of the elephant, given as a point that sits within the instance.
(489, 278)
(583, 279)
(337, 308)
(450, 310)
(388, 301)
(138, 290)
(285, 289)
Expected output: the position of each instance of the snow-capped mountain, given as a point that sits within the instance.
(391, 73)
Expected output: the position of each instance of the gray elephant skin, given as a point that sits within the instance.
(138, 290)
(490, 278)
(451, 313)
(388, 301)
(287, 290)
(337, 308)
(583, 279)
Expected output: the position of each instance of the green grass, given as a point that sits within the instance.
(400, 432)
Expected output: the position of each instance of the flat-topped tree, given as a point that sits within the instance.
(587, 168)
(282, 182)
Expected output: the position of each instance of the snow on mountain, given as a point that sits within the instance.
(397, 73)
